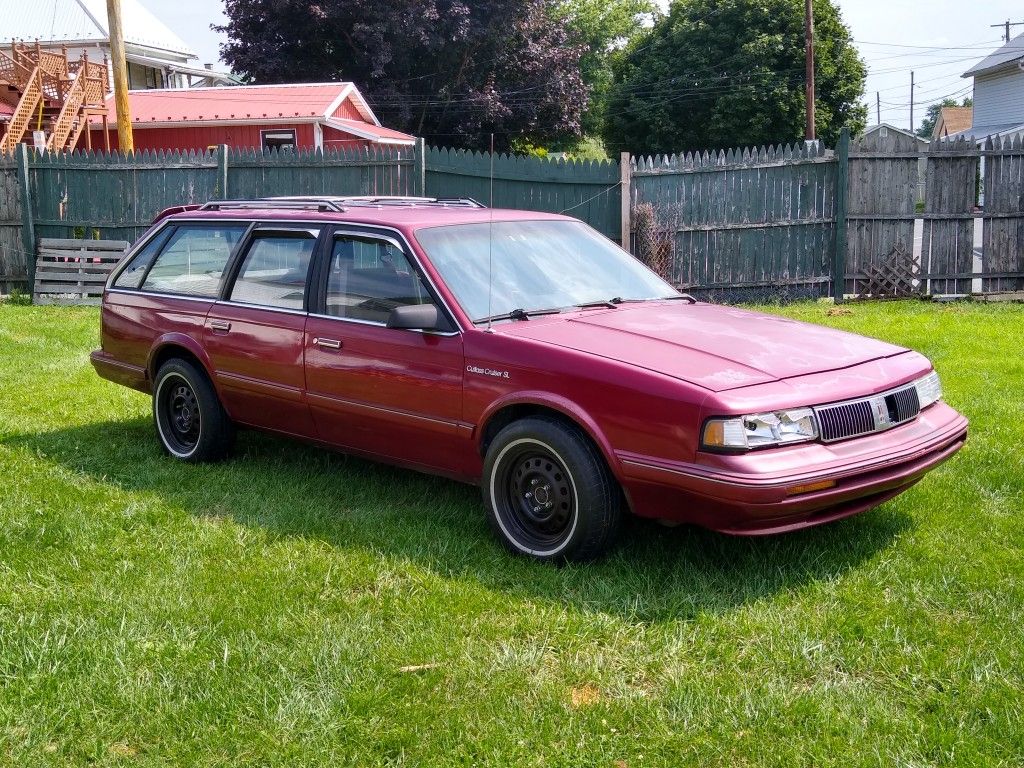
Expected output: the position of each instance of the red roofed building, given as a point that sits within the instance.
(305, 116)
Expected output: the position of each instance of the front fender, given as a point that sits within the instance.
(559, 404)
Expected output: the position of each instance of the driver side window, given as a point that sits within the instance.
(369, 277)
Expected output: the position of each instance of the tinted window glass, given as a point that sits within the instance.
(136, 269)
(275, 271)
(369, 277)
(193, 261)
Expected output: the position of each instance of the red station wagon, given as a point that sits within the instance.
(520, 351)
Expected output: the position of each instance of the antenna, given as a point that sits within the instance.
(490, 241)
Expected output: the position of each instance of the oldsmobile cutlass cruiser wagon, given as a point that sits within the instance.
(520, 351)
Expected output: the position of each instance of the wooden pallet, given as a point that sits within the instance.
(75, 271)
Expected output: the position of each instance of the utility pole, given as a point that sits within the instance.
(124, 114)
(912, 101)
(878, 107)
(1006, 26)
(809, 134)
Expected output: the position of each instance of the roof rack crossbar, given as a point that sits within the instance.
(319, 204)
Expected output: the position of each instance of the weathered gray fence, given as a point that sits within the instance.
(588, 190)
(1002, 258)
(745, 221)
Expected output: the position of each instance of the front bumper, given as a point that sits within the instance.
(762, 492)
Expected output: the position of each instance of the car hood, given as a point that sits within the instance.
(715, 347)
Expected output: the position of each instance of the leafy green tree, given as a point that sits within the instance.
(604, 28)
(931, 116)
(725, 73)
(452, 71)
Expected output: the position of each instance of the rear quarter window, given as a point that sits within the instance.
(193, 261)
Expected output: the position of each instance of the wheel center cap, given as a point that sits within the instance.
(541, 495)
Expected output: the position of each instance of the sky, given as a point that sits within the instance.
(938, 41)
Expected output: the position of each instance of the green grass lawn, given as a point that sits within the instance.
(267, 611)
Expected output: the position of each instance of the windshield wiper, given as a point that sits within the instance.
(518, 314)
(614, 302)
(605, 303)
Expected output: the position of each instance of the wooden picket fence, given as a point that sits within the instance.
(588, 190)
(757, 223)
(742, 222)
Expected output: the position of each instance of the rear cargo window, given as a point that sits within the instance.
(193, 261)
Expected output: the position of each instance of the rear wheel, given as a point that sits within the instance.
(548, 491)
(190, 421)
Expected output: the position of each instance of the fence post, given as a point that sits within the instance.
(222, 170)
(28, 232)
(625, 184)
(420, 168)
(842, 180)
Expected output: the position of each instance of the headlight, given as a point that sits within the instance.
(759, 430)
(929, 389)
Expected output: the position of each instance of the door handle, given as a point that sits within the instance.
(220, 325)
(327, 343)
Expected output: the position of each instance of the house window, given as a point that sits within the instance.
(141, 77)
(283, 139)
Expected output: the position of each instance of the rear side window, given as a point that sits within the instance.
(131, 276)
(193, 261)
(275, 270)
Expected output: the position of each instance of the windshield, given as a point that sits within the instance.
(535, 265)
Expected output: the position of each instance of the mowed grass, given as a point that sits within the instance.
(296, 607)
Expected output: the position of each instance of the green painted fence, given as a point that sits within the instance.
(587, 190)
(118, 195)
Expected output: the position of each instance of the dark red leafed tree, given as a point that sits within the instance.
(453, 72)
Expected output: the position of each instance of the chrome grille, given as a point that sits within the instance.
(846, 420)
(870, 414)
(903, 405)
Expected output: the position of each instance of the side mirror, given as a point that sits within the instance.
(420, 317)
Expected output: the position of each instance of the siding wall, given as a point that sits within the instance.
(999, 98)
(200, 138)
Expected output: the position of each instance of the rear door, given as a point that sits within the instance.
(255, 332)
(392, 393)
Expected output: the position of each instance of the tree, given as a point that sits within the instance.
(453, 71)
(931, 116)
(725, 73)
(604, 28)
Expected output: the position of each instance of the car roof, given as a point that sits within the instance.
(407, 217)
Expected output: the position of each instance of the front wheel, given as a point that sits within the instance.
(548, 492)
(190, 421)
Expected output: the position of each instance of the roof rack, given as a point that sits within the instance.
(302, 204)
(383, 200)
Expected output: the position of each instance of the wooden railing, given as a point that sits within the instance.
(31, 96)
(69, 116)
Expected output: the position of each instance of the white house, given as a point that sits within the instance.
(156, 57)
(999, 92)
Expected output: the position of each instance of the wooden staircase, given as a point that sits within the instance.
(51, 94)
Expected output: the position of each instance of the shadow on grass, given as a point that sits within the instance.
(293, 490)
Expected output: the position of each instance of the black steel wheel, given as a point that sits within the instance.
(190, 421)
(548, 492)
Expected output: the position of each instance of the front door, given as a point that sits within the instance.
(255, 334)
(392, 393)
